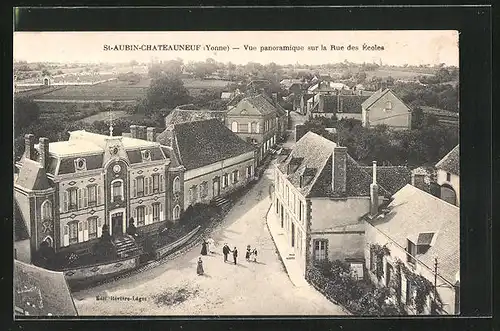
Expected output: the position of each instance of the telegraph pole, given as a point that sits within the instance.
(435, 280)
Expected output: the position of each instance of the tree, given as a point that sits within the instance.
(166, 92)
(134, 63)
(26, 112)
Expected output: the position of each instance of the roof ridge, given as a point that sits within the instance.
(447, 155)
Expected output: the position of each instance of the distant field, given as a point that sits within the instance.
(396, 74)
(104, 116)
(114, 90)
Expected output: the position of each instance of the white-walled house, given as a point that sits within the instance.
(448, 176)
(385, 108)
(320, 195)
(422, 232)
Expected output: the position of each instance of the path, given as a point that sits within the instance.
(248, 288)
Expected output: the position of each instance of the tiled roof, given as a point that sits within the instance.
(261, 104)
(32, 176)
(315, 152)
(67, 164)
(178, 116)
(348, 103)
(41, 292)
(202, 143)
(20, 227)
(451, 161)
(392, 178)
(412, 212)
(374, 97)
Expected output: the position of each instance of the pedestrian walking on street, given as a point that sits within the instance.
(254, 255)
(199, 268)
(204, 248)
(235, 254)
(211, 245)
(225, 251)
(247, 255)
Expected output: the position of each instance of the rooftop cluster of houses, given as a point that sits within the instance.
(325, 97)
(331, 207)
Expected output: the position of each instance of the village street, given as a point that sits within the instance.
(248, 288)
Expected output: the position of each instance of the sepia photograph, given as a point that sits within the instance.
(251, 173)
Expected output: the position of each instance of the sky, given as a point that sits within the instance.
(413, 47)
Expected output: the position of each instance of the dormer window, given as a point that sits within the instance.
(146, 155)
(80, 164)
(424, 242)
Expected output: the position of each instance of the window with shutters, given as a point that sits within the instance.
(140, 186)
(156, 183)
(225, 180)
(140, 215)
(92, 221)
(92, 195)
(46, 210)
(156, 212)
(412, 251)
(177, 212)
(117, 190)
(73, 198)
(73, 232)
(253, 127)
(236, 175)
(257, 128)
(204, 189)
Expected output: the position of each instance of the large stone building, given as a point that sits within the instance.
(66, 191)
(321, 193)
(384, 107)
(213, 161)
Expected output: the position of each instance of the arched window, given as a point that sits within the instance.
(257, 127)
(388, 105)
(176, 212)
(117, 190)
(46, 210)
(49, 241)
(234, 126)
(177, 184)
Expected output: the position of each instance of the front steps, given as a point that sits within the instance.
(221, 202)
(125, 246)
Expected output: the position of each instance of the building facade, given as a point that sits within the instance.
(385, 108)
(448, 176)
(421, 233)
(321, 193)
(67, 190)
(257, 121)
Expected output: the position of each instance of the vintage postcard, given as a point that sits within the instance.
(236, 173)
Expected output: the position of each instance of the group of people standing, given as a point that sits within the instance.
(251, 254)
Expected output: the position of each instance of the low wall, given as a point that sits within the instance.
(162, 251)
(94, 273)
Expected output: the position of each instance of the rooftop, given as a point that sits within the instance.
(414, 214)
(312, 155)
(178, 116)
(41, 292)
(202, 143)
(451, 161)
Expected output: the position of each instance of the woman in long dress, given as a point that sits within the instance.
(199, 268)
(204, 248)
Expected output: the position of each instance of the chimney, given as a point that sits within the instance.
(418, 180)
(321, 103)
(300, 131)
(141, 132)
(29, 146)
(374, 192)
(275, 98)
(339, 159)
(133, 131)
(151, 134)
(44, 152)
